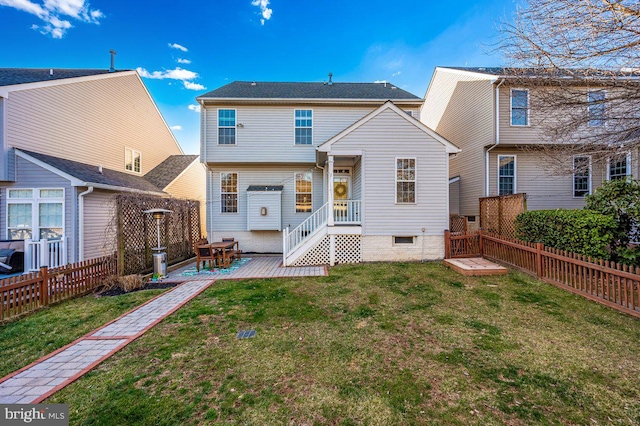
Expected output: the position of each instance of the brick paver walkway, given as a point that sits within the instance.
(39, 380)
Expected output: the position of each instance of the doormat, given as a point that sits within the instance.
(191, 272)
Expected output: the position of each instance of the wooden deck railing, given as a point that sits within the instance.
(28, 292)
(606, 282)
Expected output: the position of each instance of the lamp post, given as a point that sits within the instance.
(159, 257)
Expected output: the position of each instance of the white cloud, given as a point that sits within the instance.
(176, 127)
(178, 46)
(194, 107)
(184, 61)
(180, 74)
(56, 13)
(265, 11)
(396, 73)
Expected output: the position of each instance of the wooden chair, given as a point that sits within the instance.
(205, 253)
(233, 252)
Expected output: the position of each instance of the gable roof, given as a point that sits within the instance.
(12, 76)
(450, 148)
(81, 174)
(169, 170)
(324, 91)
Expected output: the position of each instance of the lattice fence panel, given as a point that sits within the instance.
(458, 223)
(318, 255)
(137, 232)
(348, 249)
(498, 214)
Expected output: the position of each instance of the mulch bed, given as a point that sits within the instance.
(151, 285)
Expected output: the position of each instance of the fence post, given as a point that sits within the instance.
(44, 286)
(480, 243)
(447, 244)
(539, 247)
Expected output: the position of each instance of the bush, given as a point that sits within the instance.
(126, 283)
(580, 231)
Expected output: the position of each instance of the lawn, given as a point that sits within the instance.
(377, 344)
(38, 334)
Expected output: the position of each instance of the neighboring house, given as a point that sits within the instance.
(71, 139)
(324, 172)
(489, 117)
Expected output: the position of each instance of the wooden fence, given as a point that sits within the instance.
(28, 292)
(606, 282)
(498, 214)
(458, 223)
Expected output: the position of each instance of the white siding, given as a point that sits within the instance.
(272, 202)
(191, 185)
(100, 229)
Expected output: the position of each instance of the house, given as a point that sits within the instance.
(71, 139)
(324, 173)
(487, 113)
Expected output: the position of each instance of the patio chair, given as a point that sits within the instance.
(233, 252)
(204, 253)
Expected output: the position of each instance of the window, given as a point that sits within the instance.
(405, 180)
(404, 240)
(619, 167)
(506, 174)
(409, 113)
(132, 160)
(35, 214)
(226, 127)
(581, 176)
(229, 192)
(304, 126)
(519, 107)
(595, 108)
(304, 191)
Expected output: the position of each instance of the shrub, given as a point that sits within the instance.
(126, 283)
(580, 231)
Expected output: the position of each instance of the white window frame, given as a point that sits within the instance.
(305, 127)
(218, 127)
(527, 124)
(415, 180)
(35, 200)
(409, 112)
(414, 239)
(628, 155)
(237, 193)
(133, 153)
(573, 177)
(295, 192)
(515, 173)
(590, 120)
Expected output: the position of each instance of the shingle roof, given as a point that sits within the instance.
(166, 172)
(270, 90)
(90, 173)
(532, 72)
(11, 76)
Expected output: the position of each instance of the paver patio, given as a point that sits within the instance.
(39, 380)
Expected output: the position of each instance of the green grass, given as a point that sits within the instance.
(378, 344)
(36, 335)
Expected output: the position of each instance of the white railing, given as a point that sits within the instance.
(347, 212)
(293, 239)
(51, 253)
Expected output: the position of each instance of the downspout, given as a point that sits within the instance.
(497, 141)
(203, 159)
(81, 222)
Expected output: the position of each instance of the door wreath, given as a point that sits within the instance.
(340, 189)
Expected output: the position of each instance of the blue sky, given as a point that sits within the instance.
(186, 48)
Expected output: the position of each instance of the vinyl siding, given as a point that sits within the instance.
(268, 131)
(90, 122)
(357, 181)
(454, 198)
(29, 175)
(382, 139)
(190, 185)
(460, 107)
(522, 135)
(99, 227)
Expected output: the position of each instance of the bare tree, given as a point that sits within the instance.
(581, 58)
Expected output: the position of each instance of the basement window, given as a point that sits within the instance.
(403, 240)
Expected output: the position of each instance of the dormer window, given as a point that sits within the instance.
(132, 160)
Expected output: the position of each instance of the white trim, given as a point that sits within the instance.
(312, 126)
(295, 191)
(515, 173)
(413, 242)
(450, 148)
(454, 179)
(573, 176)
(608, 177)
(528, 124)
(133, 160)
(235, 127)
(487, 76)
(308, 101)
(237, 192)
(415, 180)
(35, 200)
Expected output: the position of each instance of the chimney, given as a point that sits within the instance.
(113, 60)
(330, 77)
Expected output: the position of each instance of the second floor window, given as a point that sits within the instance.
(506, 174)
(519, 107)
(132, 160)
(304, 126)
(581, 176)
(405, 180)
(620, 167)
(226, 127)
(595, 108)
(229, 192)
(303, 192)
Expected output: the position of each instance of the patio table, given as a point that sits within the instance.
(226, 250)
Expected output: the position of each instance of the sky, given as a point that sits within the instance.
(183, 49)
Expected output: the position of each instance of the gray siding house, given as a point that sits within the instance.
(324, 173)
(71, 140)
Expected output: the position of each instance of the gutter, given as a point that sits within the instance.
(497, 141)
(81, 222)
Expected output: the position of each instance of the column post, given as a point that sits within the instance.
(330, 188)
